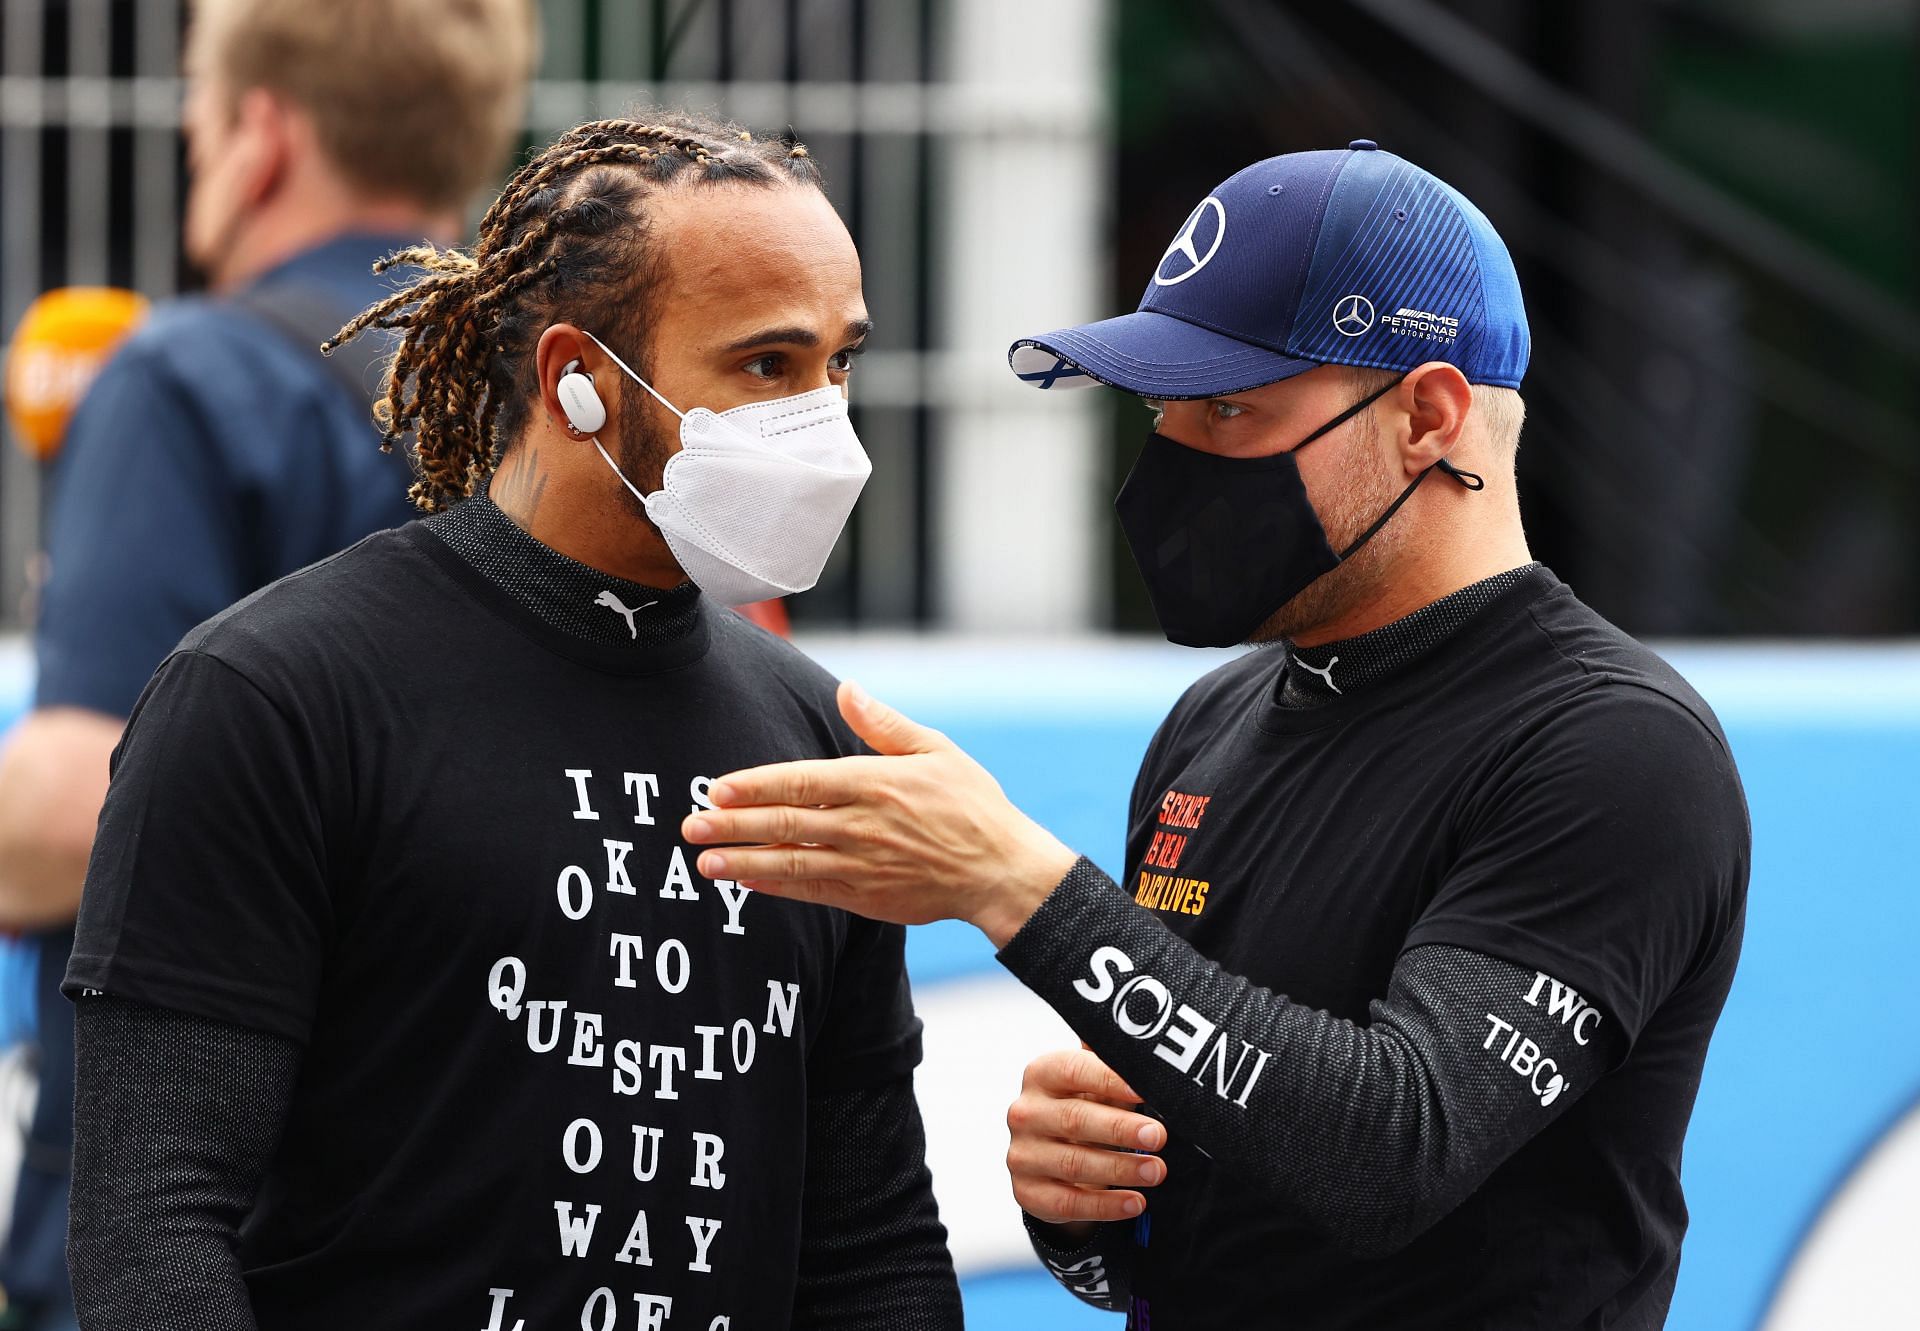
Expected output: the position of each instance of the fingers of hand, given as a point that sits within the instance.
(887, 730)
(817, 891)
(753, 865)
(1049, 1158)
(1061, 1168)
(1067, 1072)
(815, 781)
(1061, 1204)
(1082, 1166)
(767, 825)
(1036, 1114)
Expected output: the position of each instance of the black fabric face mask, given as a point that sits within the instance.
(1224, 542)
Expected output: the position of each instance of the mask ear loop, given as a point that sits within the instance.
(1346, 415)
(1466, 478)
(1392, 508)
(1471, 480)
(606, 457)
(631, 375)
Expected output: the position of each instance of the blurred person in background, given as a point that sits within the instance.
(218, 450)
(1433, 905)
(397, 1003)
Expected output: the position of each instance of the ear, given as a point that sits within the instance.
(1437, 399)
(266, 129)
(560, 346)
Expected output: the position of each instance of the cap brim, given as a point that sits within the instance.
(1150, 355)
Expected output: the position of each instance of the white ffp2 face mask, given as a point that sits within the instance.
(754, 500)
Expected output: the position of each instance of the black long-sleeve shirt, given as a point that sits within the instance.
(414, 813)
(1418, 956)
(184, 1114)
(1368, 1132)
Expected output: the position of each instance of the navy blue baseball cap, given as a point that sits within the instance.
(1345, 257)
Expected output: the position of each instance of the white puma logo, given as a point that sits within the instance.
(612, 602)
(1325, 673)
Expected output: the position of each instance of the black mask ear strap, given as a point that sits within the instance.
(1392, 508)
(1348, 414)
(1467, 478)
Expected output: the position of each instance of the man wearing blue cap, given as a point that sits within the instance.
(1430, 908)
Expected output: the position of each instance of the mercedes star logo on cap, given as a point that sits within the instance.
(1352, 315)
(1186, 244)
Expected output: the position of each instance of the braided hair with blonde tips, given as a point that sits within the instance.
(567, 237)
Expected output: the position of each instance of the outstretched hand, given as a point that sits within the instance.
(919, 833)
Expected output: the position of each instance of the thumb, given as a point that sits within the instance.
(885, 730)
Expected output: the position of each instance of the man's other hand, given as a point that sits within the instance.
(1077, 1151)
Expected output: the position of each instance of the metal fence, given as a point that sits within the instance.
(911, 106)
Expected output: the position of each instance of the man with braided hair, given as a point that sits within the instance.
(399, 1004)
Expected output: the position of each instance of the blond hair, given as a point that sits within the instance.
(415, 99)
(1501, 413)
(1498, 413)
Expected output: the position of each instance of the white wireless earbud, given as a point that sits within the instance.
(585, 411)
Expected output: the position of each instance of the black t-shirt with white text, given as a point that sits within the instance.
(1539, 789)
(551, 1076)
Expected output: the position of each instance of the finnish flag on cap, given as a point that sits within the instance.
(1345, 257)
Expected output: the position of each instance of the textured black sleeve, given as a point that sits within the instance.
(873, 1253)
(175, 1119)
(1370, 1133)
(1098, 1271)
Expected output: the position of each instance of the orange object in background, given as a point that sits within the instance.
(63, 339)
(68, 334)
(769, 615)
